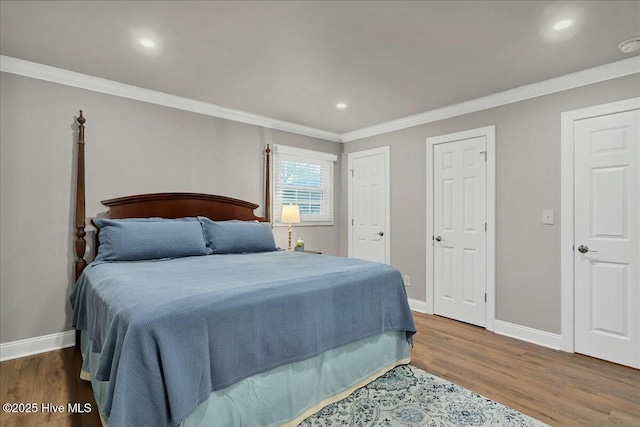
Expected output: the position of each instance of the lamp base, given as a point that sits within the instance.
(289, 248)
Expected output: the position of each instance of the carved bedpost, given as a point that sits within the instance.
(267, 192)
(80, 243)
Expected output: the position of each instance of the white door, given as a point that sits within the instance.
(607, 237)
(460, 240)
(368, 192)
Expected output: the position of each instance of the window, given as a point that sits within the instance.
(303, 178)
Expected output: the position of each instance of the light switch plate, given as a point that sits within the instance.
(547, 217)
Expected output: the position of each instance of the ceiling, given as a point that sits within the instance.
(294, 61)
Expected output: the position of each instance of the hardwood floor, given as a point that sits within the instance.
(53, 378)
(558, 388)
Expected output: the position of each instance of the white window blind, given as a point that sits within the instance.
(304, 178)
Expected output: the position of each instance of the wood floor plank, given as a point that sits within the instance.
(47, 378)
(560, 389)
(555, 387)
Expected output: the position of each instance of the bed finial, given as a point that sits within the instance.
(267, 190)
(80, 242)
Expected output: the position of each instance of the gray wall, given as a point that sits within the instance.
(131, 147)
(134, 147)
(528, 180)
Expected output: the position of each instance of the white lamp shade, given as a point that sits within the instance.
(290, 214)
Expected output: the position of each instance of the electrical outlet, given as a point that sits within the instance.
(547, 217)
(407, 280)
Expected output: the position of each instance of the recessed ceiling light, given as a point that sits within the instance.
(341, 106)
(630, 45)
(147, 43)
(562, 25)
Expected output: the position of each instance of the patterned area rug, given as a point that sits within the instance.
(409, 396)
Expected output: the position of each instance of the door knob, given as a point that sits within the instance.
(438, 239)
(379, 233)
(584, 249)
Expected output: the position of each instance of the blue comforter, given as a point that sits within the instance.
(170, 332)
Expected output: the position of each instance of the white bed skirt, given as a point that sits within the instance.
(286, 395)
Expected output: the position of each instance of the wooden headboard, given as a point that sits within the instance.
(179, 205)
(164, 205)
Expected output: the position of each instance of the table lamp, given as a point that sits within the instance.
(290, 215)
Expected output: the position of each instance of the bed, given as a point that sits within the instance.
(228, 336)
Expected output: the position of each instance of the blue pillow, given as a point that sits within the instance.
(138, 239)
(233, 237)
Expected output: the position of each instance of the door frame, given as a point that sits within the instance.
(567, 267)
(489, 132)
(365, 153)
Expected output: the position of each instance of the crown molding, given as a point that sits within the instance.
(9, 64)
(586, 77)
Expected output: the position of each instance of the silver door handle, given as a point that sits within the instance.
(379, 233)
(583, 249)
(438, 239)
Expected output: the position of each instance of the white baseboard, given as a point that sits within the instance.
(417, 305)
(524, 333)
(29, 346)
(512, 330)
